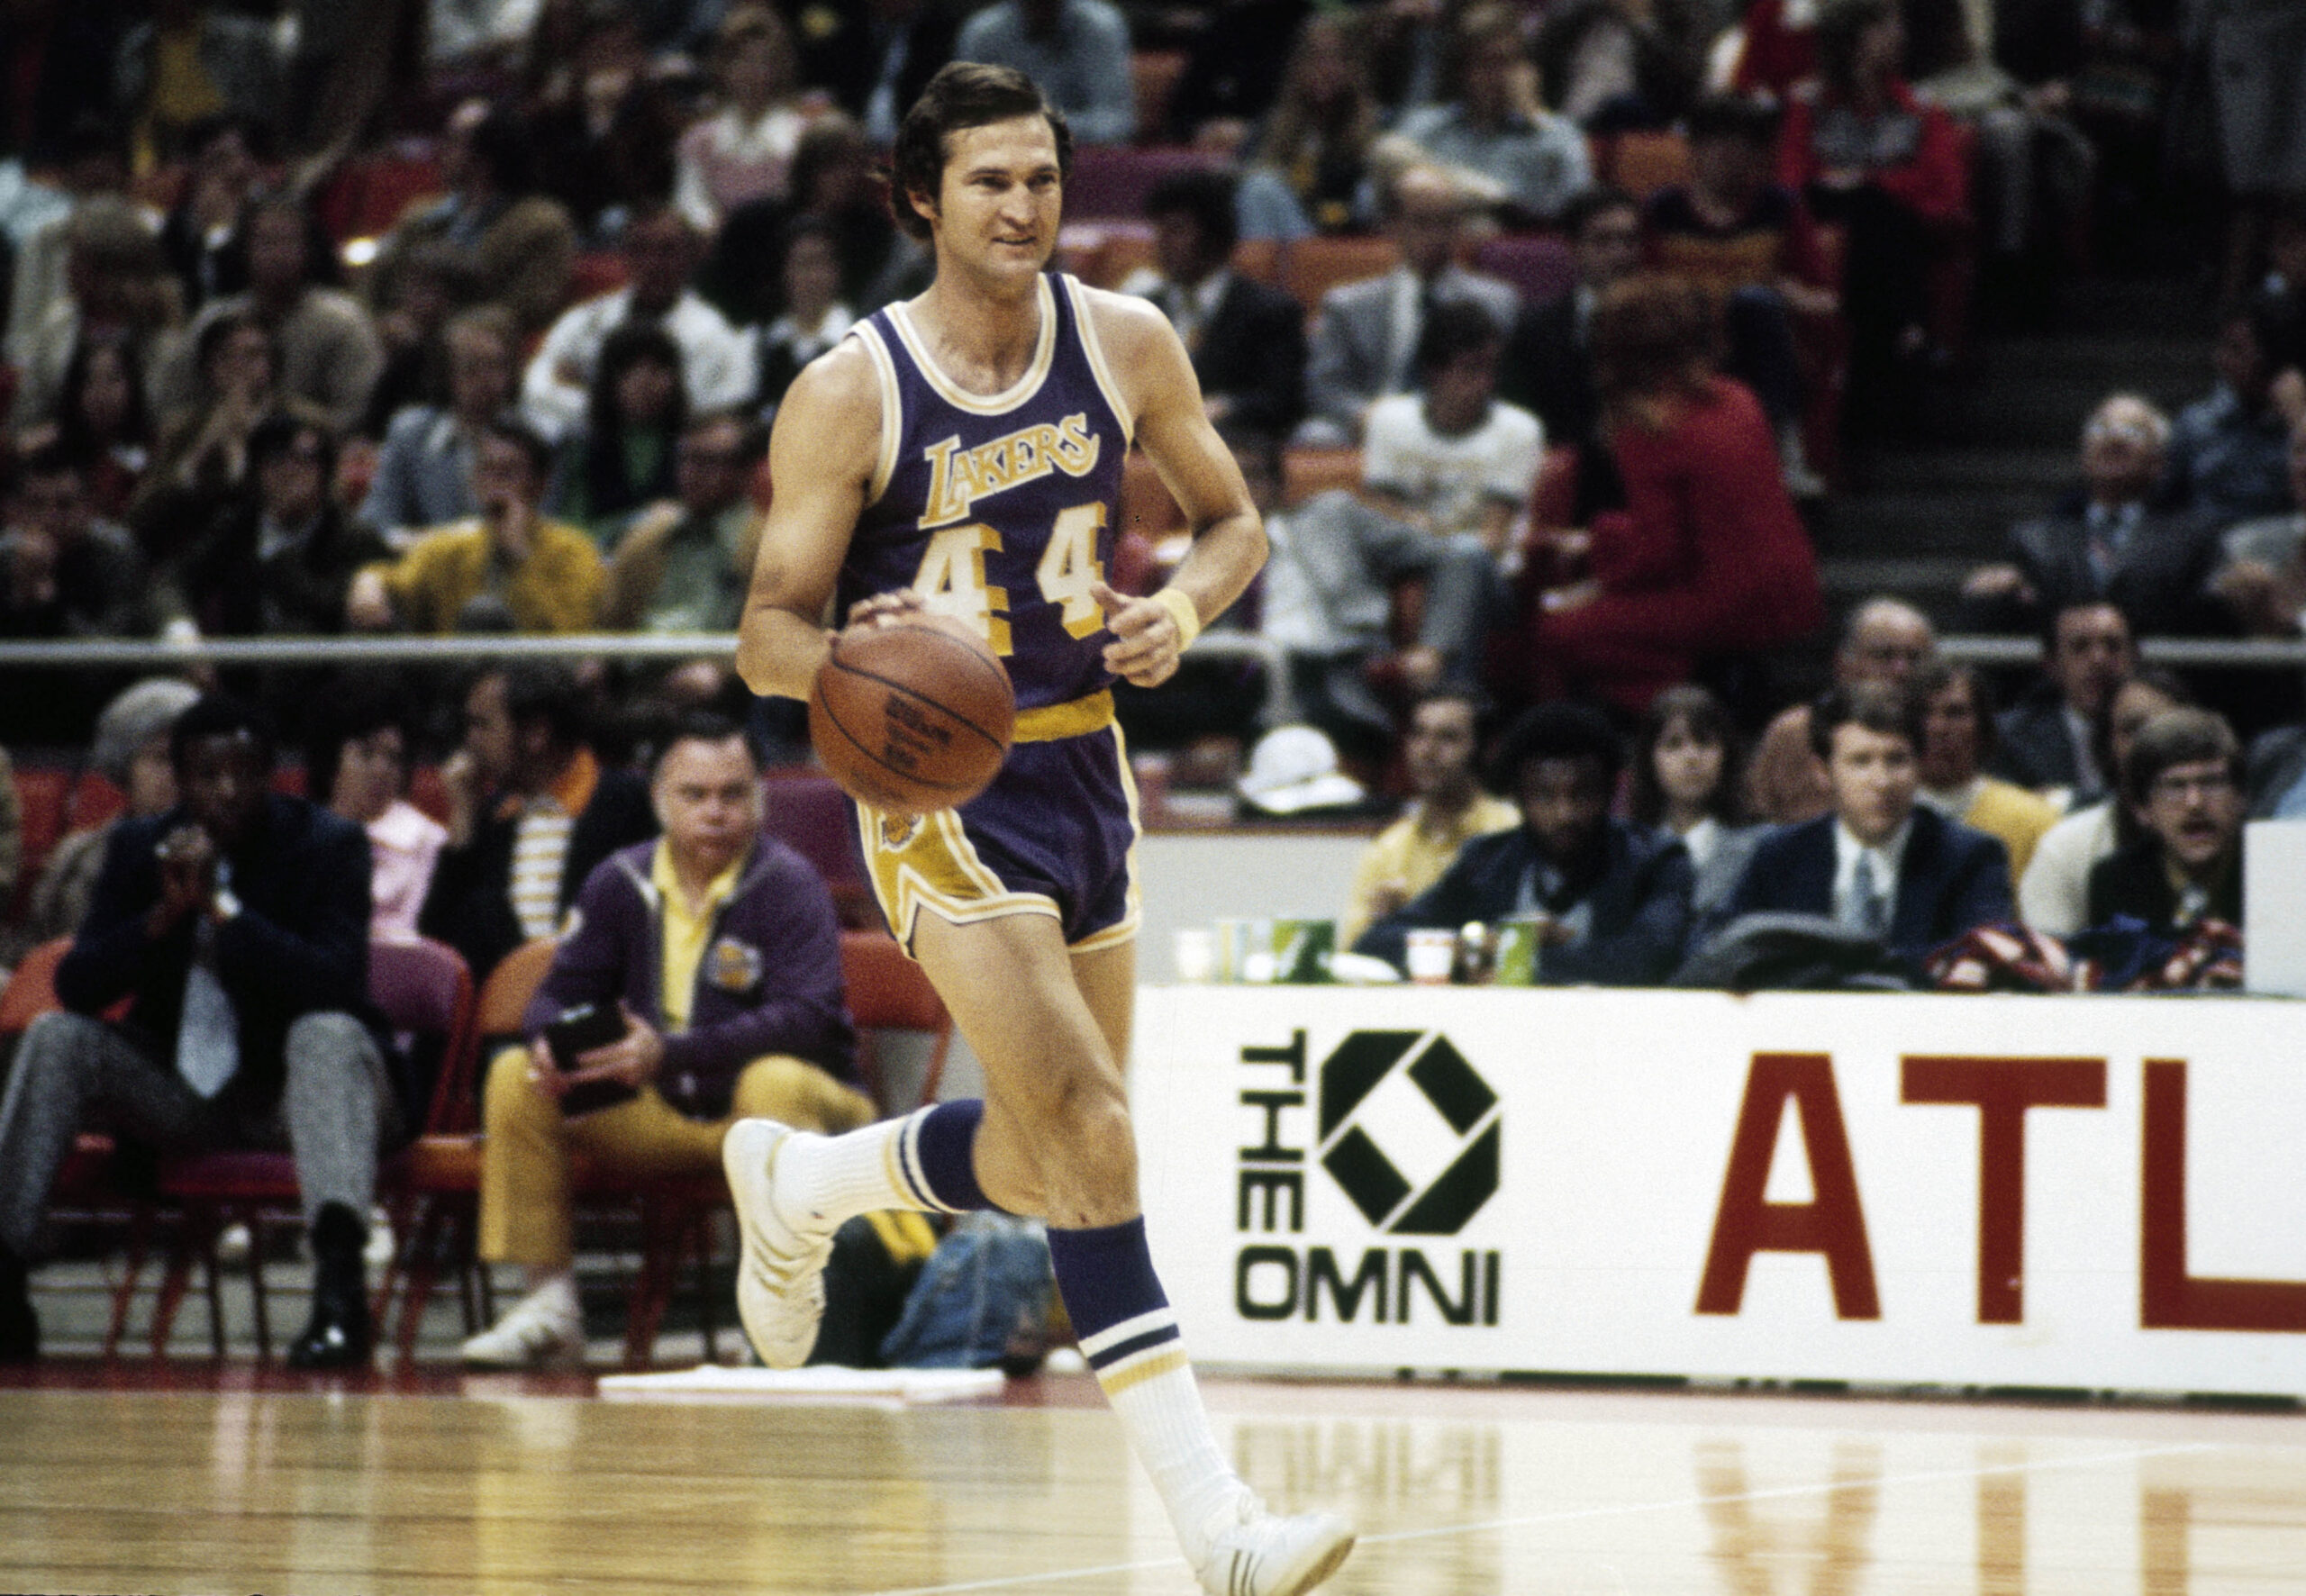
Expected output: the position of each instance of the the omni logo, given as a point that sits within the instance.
(1408, 1131)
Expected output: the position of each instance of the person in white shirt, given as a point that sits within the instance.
(2054, 889)
(716, 359)
(744, 151)
(1452, 457)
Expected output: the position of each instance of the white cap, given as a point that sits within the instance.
(1293, 769)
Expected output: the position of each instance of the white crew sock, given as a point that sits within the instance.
(1154, 1396)
(861, 1172)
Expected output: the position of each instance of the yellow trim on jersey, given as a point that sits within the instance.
(1076, 717)
(885, 371)
(961, 398)
(1097, 366)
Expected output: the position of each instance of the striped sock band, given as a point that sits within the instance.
(1129, 1337)
(1135, 1350)
(935, 1151)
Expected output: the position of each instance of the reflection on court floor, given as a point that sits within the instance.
(1459, 1491)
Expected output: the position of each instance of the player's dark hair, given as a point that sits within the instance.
(1556, 731)
(1207, 197)
(707, 726)
(1878, 707)
(1453, 328)
(963, 95)
(220, 715)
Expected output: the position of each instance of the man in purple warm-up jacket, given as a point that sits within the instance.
(717, 949)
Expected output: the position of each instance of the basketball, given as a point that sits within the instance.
(911, 717)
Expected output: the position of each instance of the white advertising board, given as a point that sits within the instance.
(2102, 1192)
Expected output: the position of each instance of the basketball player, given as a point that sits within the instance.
(962, 454)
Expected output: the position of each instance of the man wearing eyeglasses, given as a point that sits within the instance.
(2183, 781)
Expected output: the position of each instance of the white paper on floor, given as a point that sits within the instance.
(819, 1383)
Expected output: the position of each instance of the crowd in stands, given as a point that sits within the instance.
(1538, 330)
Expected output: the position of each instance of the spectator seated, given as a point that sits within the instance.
(720, 945)
(1610, 899)
(237, 925)
(1878, 864)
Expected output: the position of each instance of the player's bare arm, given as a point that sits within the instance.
(822, 459)
(1228, 545)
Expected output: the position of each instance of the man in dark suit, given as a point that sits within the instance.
(2051, 738)
(531, 810)
(1248, 341)
(1364, 341)
(1880, 864)
(236, 926)
(2183, 781)
(2108, 540)
(1547, 367)
(1611, 898)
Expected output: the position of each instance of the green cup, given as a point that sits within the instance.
(1300, 948)
(1517, 950)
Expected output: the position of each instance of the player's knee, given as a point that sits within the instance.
(1095, 1139)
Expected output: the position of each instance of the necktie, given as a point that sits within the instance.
(1869, 911)
(208, 1038)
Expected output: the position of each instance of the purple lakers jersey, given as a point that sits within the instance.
(1001, 511)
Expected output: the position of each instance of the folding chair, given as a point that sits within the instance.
(425, 993)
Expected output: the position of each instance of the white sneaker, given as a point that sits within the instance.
(543, 1327)
(1266, 1554)
(780, 1279)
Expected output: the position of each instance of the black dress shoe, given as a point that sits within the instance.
(18, 1325)
(337, 1338)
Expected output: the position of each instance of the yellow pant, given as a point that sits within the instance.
(524, 1202)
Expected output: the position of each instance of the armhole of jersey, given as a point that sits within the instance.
(885, 371)
(1096, 353)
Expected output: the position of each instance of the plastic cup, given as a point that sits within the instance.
(1196, 953)
(1432, 954)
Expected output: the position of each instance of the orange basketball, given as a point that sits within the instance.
(911, 717)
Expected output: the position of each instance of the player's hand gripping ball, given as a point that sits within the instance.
(912, 714)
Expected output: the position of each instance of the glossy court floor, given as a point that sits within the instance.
(213, 1478)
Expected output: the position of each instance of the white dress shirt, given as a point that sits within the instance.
(1887, 855)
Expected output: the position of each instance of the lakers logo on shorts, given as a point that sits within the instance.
(898, 831)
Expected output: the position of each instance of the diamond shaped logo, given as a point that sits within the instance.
(1408, 1131)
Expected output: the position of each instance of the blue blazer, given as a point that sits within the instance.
(1952, 880)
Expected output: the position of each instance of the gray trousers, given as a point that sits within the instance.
(75, 1074)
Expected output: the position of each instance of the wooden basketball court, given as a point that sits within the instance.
(184, 1477)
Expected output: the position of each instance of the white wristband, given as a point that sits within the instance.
(1180, 606)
